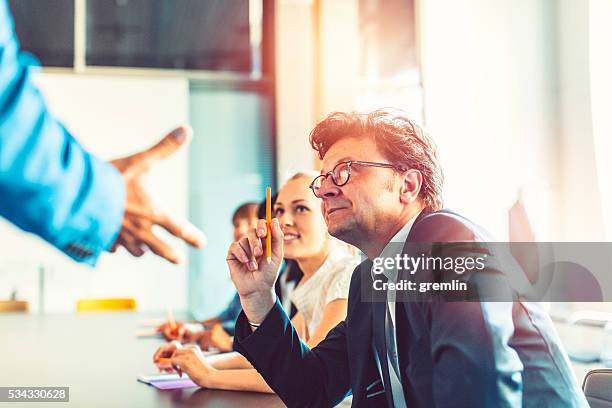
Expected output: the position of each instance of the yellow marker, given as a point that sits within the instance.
(268, 221)
(163, 360)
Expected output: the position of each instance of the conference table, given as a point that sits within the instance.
(99, 357)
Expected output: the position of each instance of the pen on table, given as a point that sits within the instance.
(268, 221)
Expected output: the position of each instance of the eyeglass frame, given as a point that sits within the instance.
(349, 163)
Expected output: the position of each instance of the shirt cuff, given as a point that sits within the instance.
(273, 326)
(101, 215)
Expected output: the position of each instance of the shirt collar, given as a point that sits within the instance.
(395, 247)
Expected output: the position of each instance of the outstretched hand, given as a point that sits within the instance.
(141, 213)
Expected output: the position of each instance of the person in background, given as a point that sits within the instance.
(218, 330)
(53, 187)
(320, 297)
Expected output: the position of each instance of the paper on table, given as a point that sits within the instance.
(167, 381)
(174, 385)
(147, 379)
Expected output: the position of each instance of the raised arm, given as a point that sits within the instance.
(49, 184)
(265, 336)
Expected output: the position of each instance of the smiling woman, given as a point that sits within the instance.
(301, 220)
(326, 262)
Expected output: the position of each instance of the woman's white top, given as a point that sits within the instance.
(330, 282)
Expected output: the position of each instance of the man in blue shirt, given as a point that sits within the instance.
(51, 186)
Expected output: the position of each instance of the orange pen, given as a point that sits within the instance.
(268, 221)
(164, 360)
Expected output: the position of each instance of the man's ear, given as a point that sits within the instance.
(412, 181)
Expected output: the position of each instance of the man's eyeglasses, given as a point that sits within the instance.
(341, 173)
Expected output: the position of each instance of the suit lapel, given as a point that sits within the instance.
(379, 311)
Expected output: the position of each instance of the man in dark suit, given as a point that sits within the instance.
(381, 191)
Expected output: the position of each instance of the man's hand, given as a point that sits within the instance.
(251, 273)
(141, 214)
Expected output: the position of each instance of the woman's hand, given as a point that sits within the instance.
(191, 361)
(176, 332)
(216, 337)
(180, 332)
(165, 352)
(204, 340)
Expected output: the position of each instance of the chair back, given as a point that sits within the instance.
(597, 387)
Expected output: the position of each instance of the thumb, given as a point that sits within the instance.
(162, 149)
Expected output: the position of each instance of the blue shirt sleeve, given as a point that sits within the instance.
(49, 184)
(231, 312)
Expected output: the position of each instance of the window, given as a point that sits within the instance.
(210, 35)
(186, 34)
(389, 37)
(49, 39)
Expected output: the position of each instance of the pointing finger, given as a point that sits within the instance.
(183, 230)
(178, 227)
(156, 245)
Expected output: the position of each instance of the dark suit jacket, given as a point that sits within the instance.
(451, 354)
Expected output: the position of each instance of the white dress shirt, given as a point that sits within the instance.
(391, 250)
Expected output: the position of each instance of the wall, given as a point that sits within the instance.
(113, 116)
(581, 198)
(490, 85)
(600, 31)
(230, 164)
(294, 86)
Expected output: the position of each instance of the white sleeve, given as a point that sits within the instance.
(339, 284)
